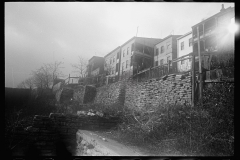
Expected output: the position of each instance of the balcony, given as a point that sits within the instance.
(195, 38)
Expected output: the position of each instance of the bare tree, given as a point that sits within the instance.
(47, 74)
(108, 68)
(22, 85)
(42, 77)
(55, 70)
(81, 67)
(28, 83)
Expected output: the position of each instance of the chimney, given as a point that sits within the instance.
(222, 8)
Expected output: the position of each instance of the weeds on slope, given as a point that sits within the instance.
(206, 130)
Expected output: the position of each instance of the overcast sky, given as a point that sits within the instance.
(44, 32)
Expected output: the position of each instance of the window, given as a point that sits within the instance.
(190, 59)
(132, 48)
(123, 53)
(131, 62)
(190, 42)
(182, 45)
(156, 63)
(161, 62)
(162, 49)
(117, 67)
(183, 61)
(127, 64)
(123, 66)
(168, 46)
(118, 55)
(113, 59)
(168, 58)
(157, 52)
(127, 50)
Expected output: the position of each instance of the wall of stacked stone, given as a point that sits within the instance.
(58, 94)
(111, 94)
(171, 89)
(78, 94)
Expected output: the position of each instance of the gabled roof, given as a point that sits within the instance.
(94, 57)
(156, 39)
(111, 51)
(174, 36)
(184, 35)
(217, 14)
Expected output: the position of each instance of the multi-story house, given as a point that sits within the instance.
(112, 63)
(136, 55)
(166, 50)
(95, 66)
(214, 35)
(184, 47)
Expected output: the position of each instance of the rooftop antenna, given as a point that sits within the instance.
(137, 31)
(135, 40)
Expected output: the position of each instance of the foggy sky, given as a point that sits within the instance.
(44, 32)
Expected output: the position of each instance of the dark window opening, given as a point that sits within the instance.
(117, 67)
(182, 45)
(118, 54)
(195, 47)
(157, 52)
(211, 44)
(132, 48)
(209, 26)
(162, 49)
(190, 42)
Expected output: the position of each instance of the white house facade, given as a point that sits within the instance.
(184, 47)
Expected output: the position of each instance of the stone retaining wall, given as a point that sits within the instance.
(55, 134)
(171, 89)
(78, 94)
(111, 94)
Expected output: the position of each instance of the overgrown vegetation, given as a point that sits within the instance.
(19, 113)
(206, 130)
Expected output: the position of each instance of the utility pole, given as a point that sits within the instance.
(193, 79)
(200, 68)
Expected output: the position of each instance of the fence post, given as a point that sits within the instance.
(149, 73)
(168, 66)
(193, 80)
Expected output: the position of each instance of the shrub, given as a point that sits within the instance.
(205, 130)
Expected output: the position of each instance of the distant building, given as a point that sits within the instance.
(166, 50)
(112, 63)
(95, 66)
(136, 55)
(214, 34)
(184, 47)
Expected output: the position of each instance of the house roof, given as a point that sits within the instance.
(94, 57)
(184, 35)
(174, 36)
(157, 39)
(111, 51)
(217, 14)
